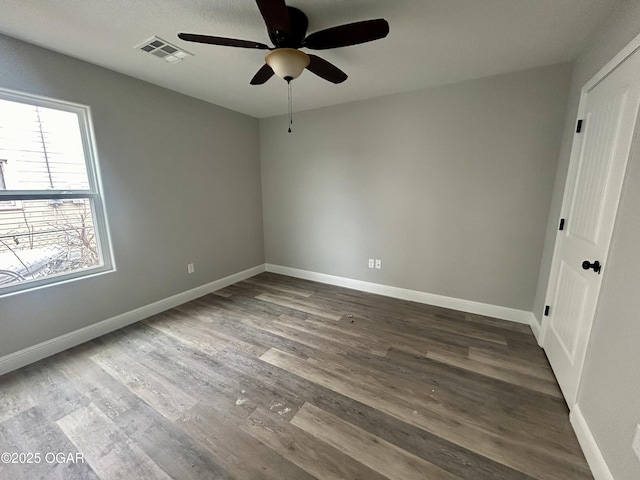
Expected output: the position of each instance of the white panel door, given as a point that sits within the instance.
(598, 162)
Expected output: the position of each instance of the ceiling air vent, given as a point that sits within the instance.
(164, 50)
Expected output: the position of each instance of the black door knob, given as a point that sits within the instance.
(595, 265)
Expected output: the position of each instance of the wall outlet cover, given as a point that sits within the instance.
(371, 263)
(190, 268)
(378, 264)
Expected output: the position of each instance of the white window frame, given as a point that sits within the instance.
(94, 193)
(7, 204)
(4, 182)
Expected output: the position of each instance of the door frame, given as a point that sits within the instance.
(630, 49)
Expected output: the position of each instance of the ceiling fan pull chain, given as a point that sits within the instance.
(290, 106)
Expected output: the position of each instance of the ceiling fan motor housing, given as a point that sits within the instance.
(294, 38)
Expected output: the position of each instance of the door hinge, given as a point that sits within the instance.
(546, 310)
(561, 227)
(579, 126)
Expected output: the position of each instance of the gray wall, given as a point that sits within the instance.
(449, 186)
(610, 386)
(182, 184)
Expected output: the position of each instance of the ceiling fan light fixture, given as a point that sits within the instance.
(287, 63)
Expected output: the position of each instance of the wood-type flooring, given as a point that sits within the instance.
(285, 379)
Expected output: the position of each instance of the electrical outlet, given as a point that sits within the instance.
(190, 268)
(378, 264)
(371, 263)
(636, 442)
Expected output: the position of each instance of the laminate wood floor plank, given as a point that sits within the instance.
(243, 306)
(231, 308)
(271, 286)
(320, 459)
(223, 292)
(199, 377)
(548, 386)
(109, 452)
(404, 334)
(32, 432)
(513, 362)
(39, 386)
(449, 399)
(379, 307)
(448, 337)
(256, 285)
(378, 454)
(486, 440)
(485, 321)
(432, 448)
(286, 281)
(450, 326)
(311, 337)
(406, 339)
(104, 391)
(295, 304)
(239, 453)
(17, 394)
(240, 309)
(171, 448)
(459, 393)
(483, 395)
(166, 398)
(384, 309)
(336, 335)
(461, 462)
(260, 385)
(442, 398)
(280, 378)
(53, 394)
(421, 322)
(216, 378)
(176, 327)
(208, 340)
(234, 326)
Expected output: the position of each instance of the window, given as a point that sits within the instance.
(52, 221)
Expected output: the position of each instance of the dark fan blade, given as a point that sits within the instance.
(264, 74)
(345, 35)
(326, 70)
(276, 15)
(226, 42)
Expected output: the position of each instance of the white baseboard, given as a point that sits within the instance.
(592, 453)
(504, 313)
(536, 328)
(29, 355)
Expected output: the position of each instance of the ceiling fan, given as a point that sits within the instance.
(287, 28)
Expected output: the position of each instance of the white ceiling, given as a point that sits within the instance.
(431, 42)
